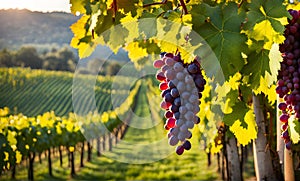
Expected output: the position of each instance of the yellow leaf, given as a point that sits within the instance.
(275, 59)
(264, 31)
(216, 148)
(293, 6)
(244, 136)
(295, 137)
(78, 27)
(234, 81)
(18, 157)
(11, 137)
(6, 156)
(135, 52)
(71, 148)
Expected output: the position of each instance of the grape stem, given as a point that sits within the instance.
(182, 3)
(155, 3)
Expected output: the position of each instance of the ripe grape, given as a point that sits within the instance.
(179, 150)
(187, 145)
(181, 86)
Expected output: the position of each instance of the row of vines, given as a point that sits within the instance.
(23, 138)
(238, 43)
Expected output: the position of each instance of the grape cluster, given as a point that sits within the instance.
(288, 85)
(181, 85)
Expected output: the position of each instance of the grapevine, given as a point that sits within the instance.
(181, 85)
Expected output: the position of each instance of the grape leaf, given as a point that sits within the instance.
(258, 62)
(220, 27)
(271, 10)
(239, 111)
(78, 6)
(265, 21)
(245, 134)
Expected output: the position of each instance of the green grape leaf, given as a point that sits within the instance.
(272, 10)
(220, 26)
(258, 62)
(265, 21)
(104, 22)
(239, 111)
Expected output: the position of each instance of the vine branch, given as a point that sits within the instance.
(182, 3)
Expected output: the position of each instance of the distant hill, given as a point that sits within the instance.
(41, 30)
(19, 27)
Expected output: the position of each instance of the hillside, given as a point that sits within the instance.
(19, 27)
(43, 31)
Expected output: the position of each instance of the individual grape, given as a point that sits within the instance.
(163, 86)
(197, 120)
(158, 63)
(171, 85)
(178, 67)
(189, 80)
(163, 93)
(174, 108)
(193, 99)
(285, 135)
(177, 116)
(170, 74)
(174, 92)
(189, 124)
(173, 140)
(160, 76)
(168, 114)
(188, 135)
(180, 87)
(179, 150)
(288, 145)
(187, 145)
(182, 110)
(174, 131)
(180, 76)
(284, 127)
(284, 118)
(170, 61)
(170, 55)
(177, 102)
(189, 115)
(179, 122)
(165, 68)
(171, 122)
(165, 105)
(183, 128)
(282, 106)
(168, 98)
(181, 136)
(193, 68)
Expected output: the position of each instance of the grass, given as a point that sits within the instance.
(143, 154)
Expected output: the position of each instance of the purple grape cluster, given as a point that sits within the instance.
(288, 85)
(181, 85)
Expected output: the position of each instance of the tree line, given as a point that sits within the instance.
(28, 56)
(62, 59)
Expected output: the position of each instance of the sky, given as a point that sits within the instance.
(36, 5)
